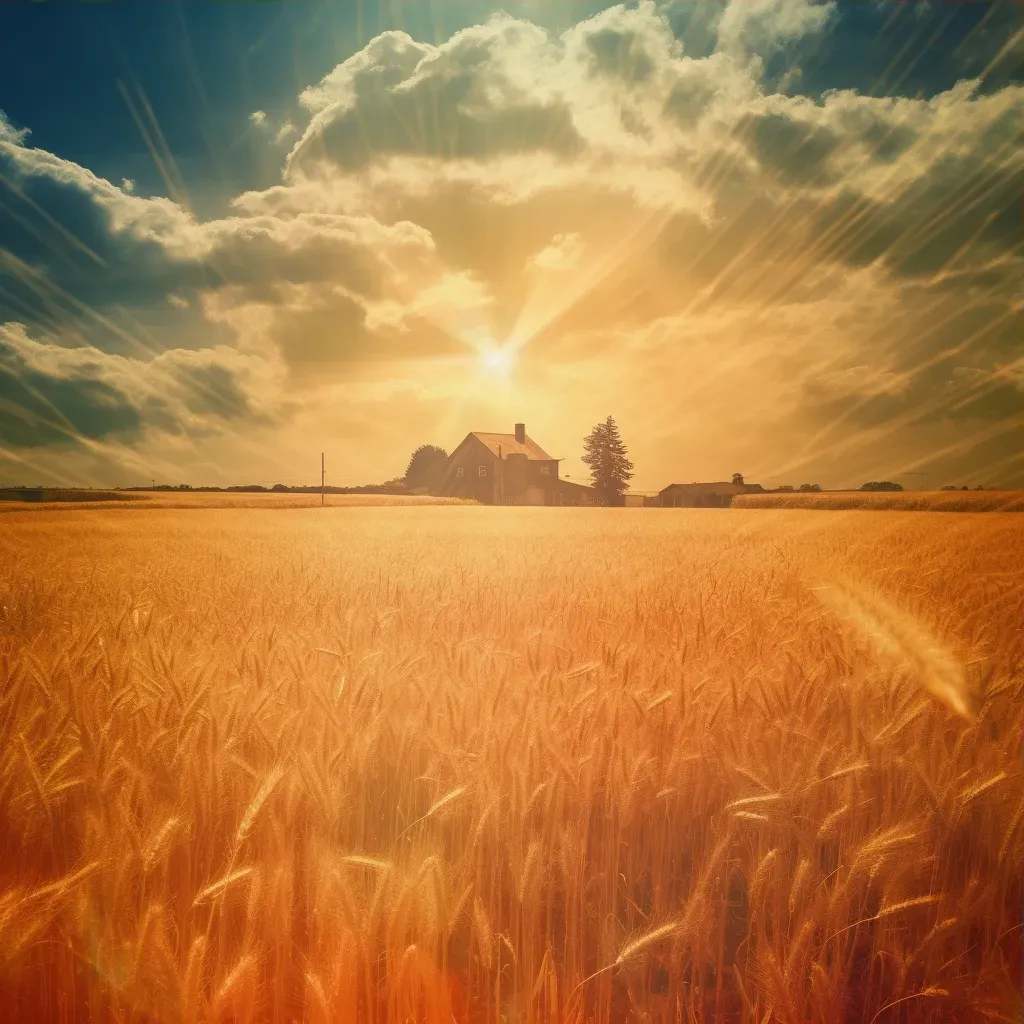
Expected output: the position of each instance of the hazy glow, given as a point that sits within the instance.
(498, 361)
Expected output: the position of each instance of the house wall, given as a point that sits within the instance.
(566, 493)
(469, 457)
(531, 479)
(515, 476)
(515, 480)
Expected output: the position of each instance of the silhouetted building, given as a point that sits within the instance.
(509, 469)
(22, 494)
(718, 494)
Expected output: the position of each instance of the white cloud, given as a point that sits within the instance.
(157, 219)
(286, 132)
(258, 118)
(563, 253)
(762, 28)
(8, 133)
(177, 391)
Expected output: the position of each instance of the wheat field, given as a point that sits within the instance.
(101, 500)
(547, 766)
(888, 501)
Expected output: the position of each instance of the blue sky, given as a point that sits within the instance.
(232, 232)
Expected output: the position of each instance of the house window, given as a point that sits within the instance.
(508, 501)
(481, 471)
(545, 470)
(460, 471)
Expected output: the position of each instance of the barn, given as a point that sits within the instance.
(22, 494)
(717, 494)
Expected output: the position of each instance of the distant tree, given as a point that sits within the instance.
(810, 487)
(605, 454)
(785, 488)
(425, 467)
(881, 485)
(737, 479)
(279, 487)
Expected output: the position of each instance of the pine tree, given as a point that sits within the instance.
(610, 470)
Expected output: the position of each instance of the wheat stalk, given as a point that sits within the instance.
(221, 884)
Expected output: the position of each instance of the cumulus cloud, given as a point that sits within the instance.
(763, 28)
(638, 116)
(10, 134)
(562, 253)
(156, 220)
(284, 133)
(52, 395)
(483, 87)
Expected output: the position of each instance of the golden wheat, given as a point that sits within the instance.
(381, 766)
(888, 501)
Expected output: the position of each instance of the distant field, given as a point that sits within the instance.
(224, 499)
(498, 765)
(892, 501)
(61, 495)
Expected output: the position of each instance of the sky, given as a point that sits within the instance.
(775, 237)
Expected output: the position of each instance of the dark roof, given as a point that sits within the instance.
(713, 487)
(578, 486)
(504, 445)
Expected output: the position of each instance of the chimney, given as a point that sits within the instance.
(521, 433)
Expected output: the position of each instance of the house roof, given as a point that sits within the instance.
(506, 444)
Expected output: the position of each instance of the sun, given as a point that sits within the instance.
(497, 361)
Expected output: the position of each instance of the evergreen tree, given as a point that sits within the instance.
(605, 454)
(426, 467)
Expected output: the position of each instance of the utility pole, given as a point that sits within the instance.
(323, 477)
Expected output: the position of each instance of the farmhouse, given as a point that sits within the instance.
(509, 469)
(718, 494)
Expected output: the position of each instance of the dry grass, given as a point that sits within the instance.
(223, 499)
(539, 766)
(890, 501)
(58, 496)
